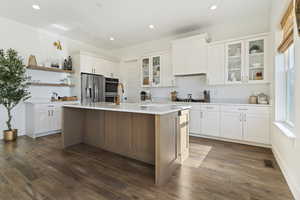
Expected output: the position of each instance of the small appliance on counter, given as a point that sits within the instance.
(262, 99)
(259, 99)
(253, 99)
(145, 95)
(174, 95)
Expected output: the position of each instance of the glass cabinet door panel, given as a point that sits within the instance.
(256, 59)
(234, 62)
(156, 71)
(146, 71)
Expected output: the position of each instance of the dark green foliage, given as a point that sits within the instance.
(13, 87)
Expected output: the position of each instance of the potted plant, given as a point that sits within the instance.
(13, 87)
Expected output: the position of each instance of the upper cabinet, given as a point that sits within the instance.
(189, 55)
(156, 70)
(256, 60)
(234, 62)
(215, 63)
(239, 61)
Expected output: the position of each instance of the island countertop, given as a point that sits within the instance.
(149, 108)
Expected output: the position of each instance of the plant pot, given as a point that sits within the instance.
(10, 135)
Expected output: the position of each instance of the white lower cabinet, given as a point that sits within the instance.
(205, 120)
(257, 128)
(240, 123)
(210, 123)
(195, 121)
(231, 125)
(43, 119)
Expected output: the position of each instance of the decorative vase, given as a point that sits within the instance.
(9, 136)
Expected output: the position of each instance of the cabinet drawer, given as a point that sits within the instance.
(246, 109)
(196, 106)
(215, 108)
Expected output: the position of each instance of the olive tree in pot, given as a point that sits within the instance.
(13, 87)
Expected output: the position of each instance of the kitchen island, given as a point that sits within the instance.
(156, 134)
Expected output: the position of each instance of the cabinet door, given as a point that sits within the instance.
(145, 72)
(87, 64)
(195, 121)
(231, 125)
(216, 64)
(156, 65)
(234, 62)
(210, 123)
(256, 60)
(42, 117)
(167, 71)
(257, 128)
(56, 118)
(179, 56)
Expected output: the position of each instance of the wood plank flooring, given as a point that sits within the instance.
(40, 169)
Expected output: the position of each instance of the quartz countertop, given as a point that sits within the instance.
(148, 108)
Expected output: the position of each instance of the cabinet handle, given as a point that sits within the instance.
(209, 107)
(241, 118)
(48, 113)
(245, 118)
(243, 109)
(201, 115)
(52, 113)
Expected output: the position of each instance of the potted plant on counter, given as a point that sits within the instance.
(13, 87)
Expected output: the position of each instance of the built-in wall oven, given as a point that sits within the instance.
(111, 89)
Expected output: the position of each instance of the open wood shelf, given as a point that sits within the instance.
(50, 69)
(51, 84)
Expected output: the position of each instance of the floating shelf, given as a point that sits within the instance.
(51, 84)
(50, 69)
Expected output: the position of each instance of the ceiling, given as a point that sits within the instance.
(95, 21)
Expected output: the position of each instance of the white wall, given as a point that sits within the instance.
(287, 150)
(194, 85)
(28, 40)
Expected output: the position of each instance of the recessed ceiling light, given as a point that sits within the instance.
(111, 39)
(36, 7)
(213, 7)
(151, 26)
(60, 27)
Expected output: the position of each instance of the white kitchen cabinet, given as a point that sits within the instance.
(256, 60)
(231, 125)
(189, 55)
(43, 119)
(246, 123)
(216, 64)
(234, 65)
(210, 123)
(195, 121)
(156, 70)
(257, 128)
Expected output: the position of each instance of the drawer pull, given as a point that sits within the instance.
(243, 109)
(210, 107)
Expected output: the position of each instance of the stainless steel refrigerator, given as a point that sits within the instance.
(92, 88)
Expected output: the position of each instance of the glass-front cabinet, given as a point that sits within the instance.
(146, 81)
(246, 61)
(234, 62)
(256, 60)
(151, 71)
(156, 74)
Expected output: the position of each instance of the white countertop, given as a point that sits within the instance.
(149, 108)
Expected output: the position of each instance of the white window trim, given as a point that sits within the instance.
(286, 129)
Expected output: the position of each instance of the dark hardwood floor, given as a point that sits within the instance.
(40, 169)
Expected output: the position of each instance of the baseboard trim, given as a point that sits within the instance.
(230, 140)
(288, 177)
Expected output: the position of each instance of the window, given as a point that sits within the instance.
(289, 86)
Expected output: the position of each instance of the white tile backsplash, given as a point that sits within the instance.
(195, 85)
